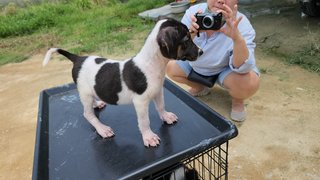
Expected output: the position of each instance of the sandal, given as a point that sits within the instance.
(203, 92)
(238, 111)
(238, 116)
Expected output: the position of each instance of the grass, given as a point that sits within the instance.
(77, 25)
(307, 58)
(82, 26)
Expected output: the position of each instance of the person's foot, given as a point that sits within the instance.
(238, 111)
(197, 93)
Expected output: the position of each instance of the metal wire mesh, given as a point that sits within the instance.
(211, 164)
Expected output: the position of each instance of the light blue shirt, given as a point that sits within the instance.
(218, 48)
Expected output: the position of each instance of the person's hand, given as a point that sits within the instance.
(231, 28)
(194, 27)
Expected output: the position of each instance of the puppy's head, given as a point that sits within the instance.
(175, 41)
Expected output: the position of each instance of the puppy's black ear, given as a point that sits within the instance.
(165, 45)
(166, 39)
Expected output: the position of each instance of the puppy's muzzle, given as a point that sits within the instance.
(193, 56)
(200, 52)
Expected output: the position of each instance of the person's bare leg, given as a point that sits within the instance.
(241, 87)
(177, 74)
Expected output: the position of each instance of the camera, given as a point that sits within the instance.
(209, 21)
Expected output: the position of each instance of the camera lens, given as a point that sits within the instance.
(207, 22)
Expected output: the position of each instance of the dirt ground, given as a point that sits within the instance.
(279, 139)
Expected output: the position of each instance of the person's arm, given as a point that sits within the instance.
(240, 51)
(242, 56)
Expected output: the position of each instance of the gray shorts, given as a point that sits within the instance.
(185, 66)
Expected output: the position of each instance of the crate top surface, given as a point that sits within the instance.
(67, 146)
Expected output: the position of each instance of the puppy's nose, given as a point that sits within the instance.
(200, 52)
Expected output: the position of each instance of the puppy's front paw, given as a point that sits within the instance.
(150, 139)
(104, 131)
(169, 117)
(99, 104)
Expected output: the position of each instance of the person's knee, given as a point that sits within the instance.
(170, 69)
(173, 70)
(243, 87)
(250, 88)
(254, 84)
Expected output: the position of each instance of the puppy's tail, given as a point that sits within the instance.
(70, 56)
(48, 56)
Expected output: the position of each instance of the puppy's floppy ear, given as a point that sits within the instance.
(164, 44)
(166, 39)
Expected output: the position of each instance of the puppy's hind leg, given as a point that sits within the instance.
(166, 116)
(87, 102)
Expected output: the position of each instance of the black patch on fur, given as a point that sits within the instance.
(70, 56)
(76, 68)
(134, 78)
(100, 60)
(108, 83)
(77, 62)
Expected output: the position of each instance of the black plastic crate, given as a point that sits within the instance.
(67, 147)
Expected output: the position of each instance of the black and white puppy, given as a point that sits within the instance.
(138, 80)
